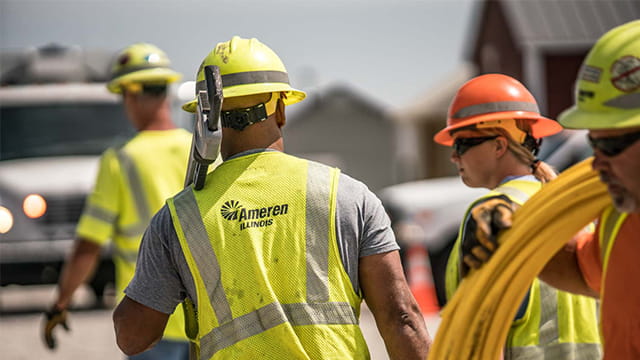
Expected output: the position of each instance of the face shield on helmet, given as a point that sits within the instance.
(140, 65)
(247, 67)
(607, 94)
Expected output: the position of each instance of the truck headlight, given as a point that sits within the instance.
(34, 206)
(6, 220)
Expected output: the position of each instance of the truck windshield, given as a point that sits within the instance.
(60, 130)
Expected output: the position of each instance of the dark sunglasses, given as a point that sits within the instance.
(461, 145)
(614, 145)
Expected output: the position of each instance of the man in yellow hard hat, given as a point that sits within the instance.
(133, 182)
(608, 105)
(605, 264)
(275, 252)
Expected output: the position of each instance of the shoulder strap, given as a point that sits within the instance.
(612, 220)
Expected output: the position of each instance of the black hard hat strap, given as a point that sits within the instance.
(239, 119)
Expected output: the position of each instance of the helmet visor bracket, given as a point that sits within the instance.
(509, 125)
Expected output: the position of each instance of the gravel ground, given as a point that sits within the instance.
(91, 335)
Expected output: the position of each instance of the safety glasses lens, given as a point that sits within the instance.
(461, 145)
(614, 145)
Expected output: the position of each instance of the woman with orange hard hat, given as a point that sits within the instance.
(495, 128)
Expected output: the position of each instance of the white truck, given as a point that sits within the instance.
(56, 118)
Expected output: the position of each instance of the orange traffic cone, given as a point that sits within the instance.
(421, 280)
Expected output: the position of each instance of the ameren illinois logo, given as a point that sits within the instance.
(232, 210)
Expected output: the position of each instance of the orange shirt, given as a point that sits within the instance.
(620, 301)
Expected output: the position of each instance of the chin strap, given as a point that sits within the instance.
(238, 119)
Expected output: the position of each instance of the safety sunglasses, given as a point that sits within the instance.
(461, 145)
(614, 145)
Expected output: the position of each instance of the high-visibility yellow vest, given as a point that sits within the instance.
(140, 175)
(610, 224)
(556, 324)
(260, 242)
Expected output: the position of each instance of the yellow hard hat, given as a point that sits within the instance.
(141, 63)
(247, 67)
(608, 86)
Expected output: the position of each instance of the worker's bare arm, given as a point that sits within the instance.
(137, 326)
(77, 270)
(563, 272)
(397, 314)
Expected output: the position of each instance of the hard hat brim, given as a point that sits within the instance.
(575, 118)
(293, 95)
(156, 75)
(540, 126)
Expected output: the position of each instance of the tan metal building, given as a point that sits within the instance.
(338, 126)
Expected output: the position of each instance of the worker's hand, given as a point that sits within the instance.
(486, 220)
(54, 317)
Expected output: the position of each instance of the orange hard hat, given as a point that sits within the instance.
(494, 100)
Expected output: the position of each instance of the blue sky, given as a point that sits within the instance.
(391, 51)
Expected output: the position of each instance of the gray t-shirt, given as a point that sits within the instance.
(162, 279)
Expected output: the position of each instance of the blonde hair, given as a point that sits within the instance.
(541, 170)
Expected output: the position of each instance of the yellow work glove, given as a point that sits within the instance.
(486, 220)
(54, 317)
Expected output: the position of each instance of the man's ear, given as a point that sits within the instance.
(281, 118)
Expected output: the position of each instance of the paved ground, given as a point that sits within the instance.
(91, 335)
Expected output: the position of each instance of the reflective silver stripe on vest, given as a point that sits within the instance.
(317, 231)
(573, 351)
(130, 256)
(549, 347)
(203, 254)
(134, 231)
(497, 106)
(139, 199)
(100, 214)
(514, 193)
(548, 332)
(271, 316)
(232, 330)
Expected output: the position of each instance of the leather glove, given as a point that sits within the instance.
(54, 317)
(486, 220)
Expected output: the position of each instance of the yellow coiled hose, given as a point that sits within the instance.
(476, 321)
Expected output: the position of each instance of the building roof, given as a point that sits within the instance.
(434, 107)
(566, 22)
(550, 24)
(335, 96)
